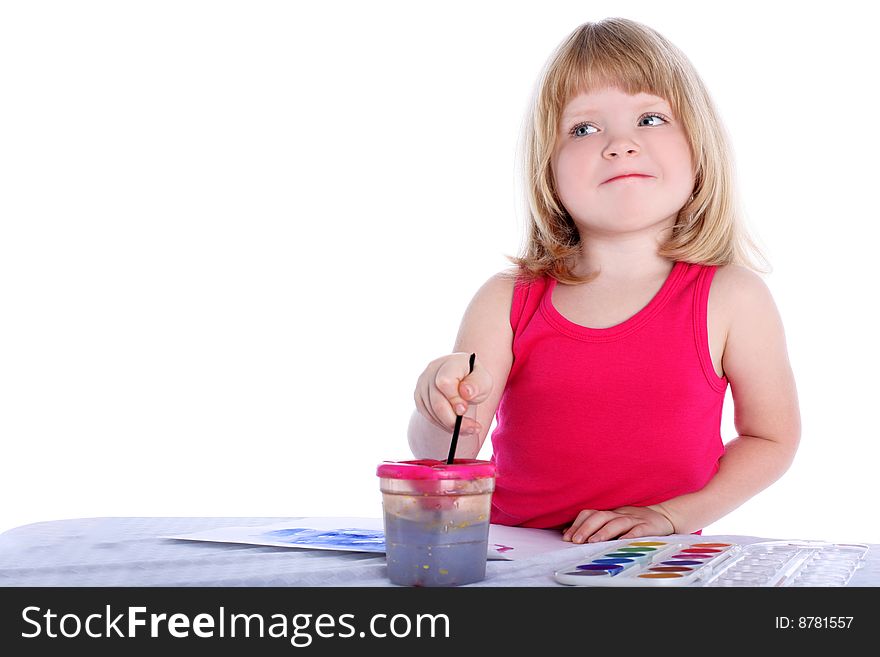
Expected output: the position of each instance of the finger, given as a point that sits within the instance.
(613, 529)
(425, 406)
(470, 427)
(640, 530)
(440, 414)
(441, 410)
(591, 525)
(578, 521)
(476, 386)
(654, 522)
(422, 406)
(447, 379)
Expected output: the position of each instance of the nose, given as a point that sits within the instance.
(616, 147)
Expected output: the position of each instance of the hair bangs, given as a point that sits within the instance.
(594, 60)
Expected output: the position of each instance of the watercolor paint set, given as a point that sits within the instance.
(649, 563)
(792, 563)
(769, 563)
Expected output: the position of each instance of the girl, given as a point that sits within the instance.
(608, 349)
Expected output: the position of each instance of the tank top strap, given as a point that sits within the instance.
(703, 283)
(527, 295)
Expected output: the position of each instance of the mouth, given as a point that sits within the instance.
(629, 176)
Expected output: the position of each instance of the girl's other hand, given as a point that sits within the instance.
(592, 526)
(445, 389)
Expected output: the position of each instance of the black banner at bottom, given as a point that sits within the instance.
(427, 621)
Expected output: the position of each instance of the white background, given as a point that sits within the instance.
(232, 234)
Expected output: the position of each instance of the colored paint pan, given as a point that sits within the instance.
(701, 557)
(611, 569)
(636, 549)
(705, 550)
(587, 573)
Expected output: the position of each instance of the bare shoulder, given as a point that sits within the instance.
(739, 308)
(756, 358)
(496, 292)
(504, 280)
(755, 334)
(485, 327)
(486, 331)
(738, 292)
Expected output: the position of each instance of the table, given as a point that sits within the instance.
(129, 551)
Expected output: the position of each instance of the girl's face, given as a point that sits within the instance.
(608, 133)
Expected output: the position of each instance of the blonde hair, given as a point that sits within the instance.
(622, 53)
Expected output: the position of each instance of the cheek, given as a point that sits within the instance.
(684, 157)
(680, 163)
(570, 169)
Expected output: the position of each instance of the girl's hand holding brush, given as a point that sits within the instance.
(445, 390)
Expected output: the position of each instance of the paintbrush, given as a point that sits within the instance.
(451, 456)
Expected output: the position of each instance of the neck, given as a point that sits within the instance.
(623, 257)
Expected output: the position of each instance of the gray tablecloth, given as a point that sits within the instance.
(120, 551)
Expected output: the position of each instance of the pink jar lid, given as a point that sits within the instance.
(433, 469)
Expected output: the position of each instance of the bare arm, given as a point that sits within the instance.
(485, 331)
(766, 416)
(766, 410)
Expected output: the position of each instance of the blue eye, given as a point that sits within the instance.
(577, 131)
(652, 116)
(582, 129)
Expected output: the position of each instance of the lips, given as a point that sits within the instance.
(628, 175)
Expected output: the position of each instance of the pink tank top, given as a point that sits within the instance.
(602, 418)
